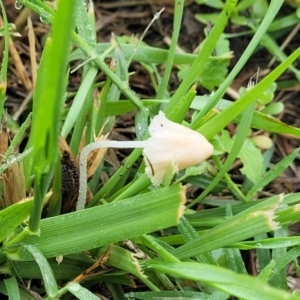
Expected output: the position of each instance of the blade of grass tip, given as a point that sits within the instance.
(273, 173)
(4, 65)
(47, 273)
(271, 124)
(123, 259)
(213, 126)
(12, 288)
(288, 215)
(203, 55)
(47, 118)
(178, 13)
(177, 112)
(272, 11)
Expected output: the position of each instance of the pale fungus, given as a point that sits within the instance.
(171, 146)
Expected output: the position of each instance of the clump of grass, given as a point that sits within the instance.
(130, 226)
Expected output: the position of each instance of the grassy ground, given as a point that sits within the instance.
(85, 217)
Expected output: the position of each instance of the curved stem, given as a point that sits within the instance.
(83, 162)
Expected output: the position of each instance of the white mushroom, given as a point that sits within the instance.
(171, 146)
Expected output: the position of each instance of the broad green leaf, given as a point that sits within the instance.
(100, 226)
(252, 160)
(212, 74)
(273, 108)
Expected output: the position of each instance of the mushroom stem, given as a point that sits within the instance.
(83, 163)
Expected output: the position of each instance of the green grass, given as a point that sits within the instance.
(190, 255)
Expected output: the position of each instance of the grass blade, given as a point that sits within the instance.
(239, 285)
(273, 173)
(138, 215)
(48, 276)
(12, 288)
(4, 65)
(13, 216)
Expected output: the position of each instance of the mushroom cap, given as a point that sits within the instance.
(172, 144)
